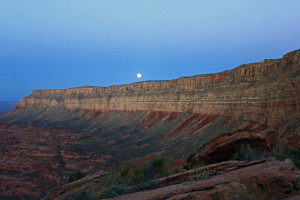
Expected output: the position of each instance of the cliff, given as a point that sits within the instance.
(267, 91)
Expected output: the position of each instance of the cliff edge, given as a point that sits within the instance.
(268, 91)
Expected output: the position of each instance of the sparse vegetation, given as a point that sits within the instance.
(293, 154)
(204, 175)
(82, 195)
(247, 153)
(130, 180)
(125, 170)
(76, 176)
(200, 176)
(157, 168)
(194, 166)
(116, 190)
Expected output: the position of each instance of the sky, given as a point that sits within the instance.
(57, 44)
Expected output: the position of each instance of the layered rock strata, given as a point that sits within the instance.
(267, 91)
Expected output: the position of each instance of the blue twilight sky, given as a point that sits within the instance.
(69, 43)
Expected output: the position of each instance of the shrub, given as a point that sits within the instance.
(204, 175)
(146, 185)
(125, 170)
(82, 195)
(113, 191)
(117, 190)
(132, 180)
(76, 176)
(105, 185)
(246, 153)
(157, 167)
(139, 174)
(293, 154)
(200, 176)
(278, 153)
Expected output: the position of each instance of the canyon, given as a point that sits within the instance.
(204, 118)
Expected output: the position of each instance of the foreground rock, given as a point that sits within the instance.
(266, 180)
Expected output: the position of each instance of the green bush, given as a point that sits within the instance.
(113, 191)
(278, 153)
(116, 190)
(157, 167)
(133, 180)
(139, 174)
(76, 176)
(246, 153)
(125, 170)
(293, 154)
(82, 195)
(146, 185)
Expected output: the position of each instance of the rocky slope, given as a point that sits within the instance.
(55, 132)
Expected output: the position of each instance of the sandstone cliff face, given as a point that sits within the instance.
(268, 91)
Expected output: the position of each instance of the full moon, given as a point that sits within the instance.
(139, 75)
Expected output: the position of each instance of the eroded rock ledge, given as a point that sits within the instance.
(267, 91)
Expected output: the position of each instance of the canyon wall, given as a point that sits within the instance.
(269, 90)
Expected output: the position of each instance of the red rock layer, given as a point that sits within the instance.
(269, 90)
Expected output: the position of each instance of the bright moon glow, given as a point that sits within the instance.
(139, 75)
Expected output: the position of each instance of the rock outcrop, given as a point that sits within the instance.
(224, 146)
